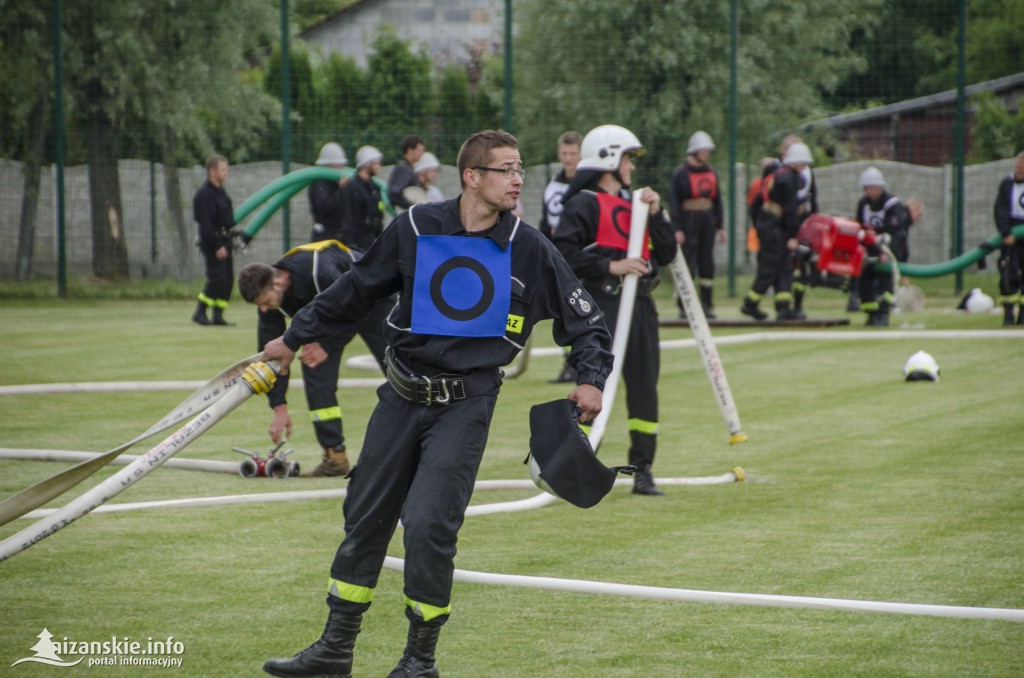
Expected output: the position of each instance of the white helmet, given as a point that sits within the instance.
(332, 154)
(979, 302)
(604, 146)
(367, 154)
(872, 176)
(700, 141)
(537, 480)
(921, 367)
(798, 154)
(428, 161)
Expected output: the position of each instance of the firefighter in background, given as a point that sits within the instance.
(326, 202)
(695, 206)
(362, 212)
(778, 220)
(593, 235)
(807, 197)
(214, 217)
(1009, 212)
(891, 220)
(282, 290)
(569, 155)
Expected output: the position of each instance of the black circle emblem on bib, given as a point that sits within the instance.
(486, 295)
(619, 211)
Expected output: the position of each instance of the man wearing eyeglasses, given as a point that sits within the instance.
(592, 236)
(473, 281)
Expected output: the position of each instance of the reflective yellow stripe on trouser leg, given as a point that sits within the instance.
(643, 426)
(325, 414)
(424, 611)
(349, 592)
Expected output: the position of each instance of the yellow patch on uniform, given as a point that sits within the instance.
(514, 324)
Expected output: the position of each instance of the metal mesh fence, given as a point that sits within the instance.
(147, 86)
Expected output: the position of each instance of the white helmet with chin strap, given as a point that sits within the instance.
(872, 176)
(700, 141)
(798, 154)
(604, 146)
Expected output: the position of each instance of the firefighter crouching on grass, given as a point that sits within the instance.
(284, 289)
(592, 235)
(473, 281)
(778, 221)
(891, 220)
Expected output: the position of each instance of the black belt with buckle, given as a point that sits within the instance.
(442, 389)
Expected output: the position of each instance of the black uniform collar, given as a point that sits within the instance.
(501, 233)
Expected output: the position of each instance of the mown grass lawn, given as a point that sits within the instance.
(860, 486)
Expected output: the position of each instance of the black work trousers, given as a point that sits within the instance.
(220, 278)
(774, 262)
(699, 245)
(321, 382)
(419, 464)
(640, 369)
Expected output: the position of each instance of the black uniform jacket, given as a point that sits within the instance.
(543, 287)
(577, 234)
(1005, 215)
(326, 205)
(214, 217)
(327, 264)
(361, 218)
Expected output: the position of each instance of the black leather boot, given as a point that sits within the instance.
(705, 302)
(199, 317)
(218, 317)
(798, 305)
(1008, 314)
(330, 656)
(643, 482)
(418, 659)
(784, 312)
(750, 308)
(642, 448)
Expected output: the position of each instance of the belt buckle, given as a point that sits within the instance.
(442, 385)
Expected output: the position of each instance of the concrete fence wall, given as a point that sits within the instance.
(151, 252)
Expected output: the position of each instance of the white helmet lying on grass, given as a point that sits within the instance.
(921, 367)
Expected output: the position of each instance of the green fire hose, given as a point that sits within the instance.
(955, 264)
(278, 192)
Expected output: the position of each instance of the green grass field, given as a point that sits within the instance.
(860, 486)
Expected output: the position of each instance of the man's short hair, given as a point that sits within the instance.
(214, 161)
(476, 150)
(409, 142)
(254, 279)
(570, 139)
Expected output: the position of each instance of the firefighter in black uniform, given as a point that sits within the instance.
(803, 268)
(592, 236)
(569, 155)
(326, 202)
(362, 215)
(1009, 212)
(214, 217)
(778, 220)
(282, 290)
(695, 206)
(473, 281)
(891, 220)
